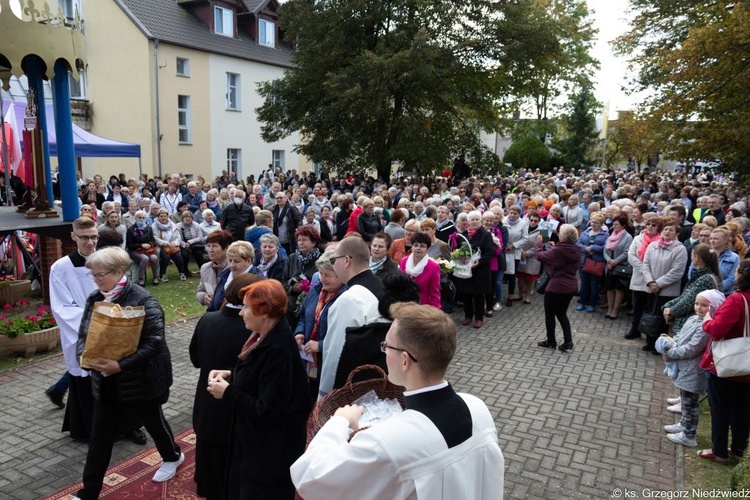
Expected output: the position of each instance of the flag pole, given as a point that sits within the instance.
(6, 163)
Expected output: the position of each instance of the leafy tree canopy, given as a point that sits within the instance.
(529, 153)
(410, 81)
(693, 55)
(579, 134)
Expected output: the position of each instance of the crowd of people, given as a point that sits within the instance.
(297, 265)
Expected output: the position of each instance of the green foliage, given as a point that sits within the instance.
(692, 56)
(406, 81)
(527, 152)
(579, 130)
(741, 475)
(24, 318)
(565, 32)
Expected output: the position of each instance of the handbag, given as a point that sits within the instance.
(732, 356)
(651, 322)
(593, 267)
(541, 284)
(623, 271)
(113, 332)
(169, 249)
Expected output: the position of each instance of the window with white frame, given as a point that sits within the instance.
(183, 118)
(183, 66)
(267, 31)
(70, 7)
(234, 161)
(278, 158)
(77, 87)
(223, 21)
(233, 91)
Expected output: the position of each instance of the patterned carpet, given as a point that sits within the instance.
(132, 478)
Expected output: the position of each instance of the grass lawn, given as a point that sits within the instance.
(176, 297)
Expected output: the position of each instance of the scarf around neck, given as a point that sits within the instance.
(667, 244)
(251, 343)
(312, 256)
(113, 294)
(163, 227)
(376, 266)
(414, 270)
(614, 239)
(647, 240)
(264, 266)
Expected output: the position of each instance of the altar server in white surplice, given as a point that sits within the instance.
(443, 446)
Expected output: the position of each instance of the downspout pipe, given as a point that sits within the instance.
(158, 109)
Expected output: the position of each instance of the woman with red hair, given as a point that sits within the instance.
(269, 397)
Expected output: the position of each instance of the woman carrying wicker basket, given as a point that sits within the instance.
(475, 287)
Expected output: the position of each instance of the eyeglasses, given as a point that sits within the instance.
(99, 276)
(87, 238)
(384, 345)
(334, 257)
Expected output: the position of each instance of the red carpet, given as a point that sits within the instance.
(132, 478)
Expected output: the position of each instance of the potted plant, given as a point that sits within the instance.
(11, 289)
(26, 329)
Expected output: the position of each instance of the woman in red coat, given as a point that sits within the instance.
(729, 397)
(424, 271)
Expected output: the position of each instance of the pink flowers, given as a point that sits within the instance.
(304, 286)
(23, 302)
(7, 307)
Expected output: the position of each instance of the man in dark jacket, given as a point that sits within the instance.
(237, 216)
(286, 220)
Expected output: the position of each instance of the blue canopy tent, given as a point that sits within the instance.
(85, 144)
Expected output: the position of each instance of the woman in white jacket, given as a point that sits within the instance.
(636, 254)
(168, 241)
(663, 267)
(518, 236)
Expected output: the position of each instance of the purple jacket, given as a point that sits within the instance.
(562, 266)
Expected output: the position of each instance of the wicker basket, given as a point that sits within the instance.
(351, 392)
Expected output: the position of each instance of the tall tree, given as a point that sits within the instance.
(579, 133)
(383, 81)
(693, 56)
(568, 35)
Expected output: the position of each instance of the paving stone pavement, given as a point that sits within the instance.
(571, 425)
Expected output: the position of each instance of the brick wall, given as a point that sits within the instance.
(50, 249)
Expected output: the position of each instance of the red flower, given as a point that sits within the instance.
(23, 302)
(7, 306)
(3, 316)
(304, 286)
(52, 320)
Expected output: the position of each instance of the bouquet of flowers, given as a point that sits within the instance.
(463, 259)
(446, 266)
(305, 289)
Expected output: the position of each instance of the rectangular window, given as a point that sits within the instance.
(71, 8)
(183, 66)
(77, 88)
(267, 33)
(234, 161)
(278, 158)
(233, 91)
(223, 21)
(183, 118)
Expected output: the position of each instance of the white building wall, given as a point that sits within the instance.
(241, 129)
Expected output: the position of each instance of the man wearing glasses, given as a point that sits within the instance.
(357, 306)
(444, 445)
(70, 286)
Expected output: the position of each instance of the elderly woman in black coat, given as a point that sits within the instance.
(269, 396)
(474, 289)
(217, 340)
(139, 382)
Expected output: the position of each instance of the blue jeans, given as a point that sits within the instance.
(589, 289)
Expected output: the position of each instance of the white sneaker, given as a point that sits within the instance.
(680, 438)
(164, 279)
(675, 408)
(674, 428)
(674, 401)
(168, 470)
(182, 277)
(497, 306)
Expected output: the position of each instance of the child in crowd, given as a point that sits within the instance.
(687, 351)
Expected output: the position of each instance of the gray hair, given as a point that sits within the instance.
(139, 213)
(270, 238)
(110, 258)
(324, 261)
(568, 233)
(206, 211)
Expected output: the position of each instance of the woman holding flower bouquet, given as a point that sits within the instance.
(474, 288)
(299, 268)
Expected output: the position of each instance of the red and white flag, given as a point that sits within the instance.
(13, 136)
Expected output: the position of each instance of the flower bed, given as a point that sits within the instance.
(27, 328)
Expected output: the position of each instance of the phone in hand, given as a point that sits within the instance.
(545, 235)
